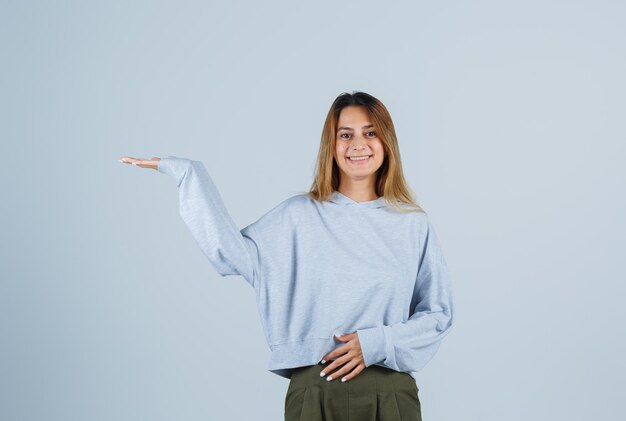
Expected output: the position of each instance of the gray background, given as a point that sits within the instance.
(510, 117)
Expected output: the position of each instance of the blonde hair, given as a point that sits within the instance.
(390, 181)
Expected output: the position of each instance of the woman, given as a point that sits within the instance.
(349, 277)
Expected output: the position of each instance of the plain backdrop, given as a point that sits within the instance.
(510, 119)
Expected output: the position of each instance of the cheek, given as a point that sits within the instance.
(338, 152)
(380, 154)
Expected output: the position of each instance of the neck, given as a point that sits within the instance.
(359, 192)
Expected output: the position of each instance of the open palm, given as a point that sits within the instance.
(139, 162)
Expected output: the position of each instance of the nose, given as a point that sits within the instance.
(358, 143)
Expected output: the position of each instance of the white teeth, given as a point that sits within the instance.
(360, 158)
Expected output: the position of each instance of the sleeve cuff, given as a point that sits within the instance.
(175, 167)
(373, 344)
(164, 165)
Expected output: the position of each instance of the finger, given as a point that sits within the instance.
(337, 363)
(128, 159)
(352, 374)
(344, 336)
(138, 162)
(332, 355)
(345, 370)
(143, 163)
(146, 164)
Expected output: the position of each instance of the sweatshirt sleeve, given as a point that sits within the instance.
(229, 250)
(408, 346)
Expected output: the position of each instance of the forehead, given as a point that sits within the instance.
(353, 117)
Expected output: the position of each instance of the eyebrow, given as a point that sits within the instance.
(350, 128)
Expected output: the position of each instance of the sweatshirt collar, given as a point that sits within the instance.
(341, 199)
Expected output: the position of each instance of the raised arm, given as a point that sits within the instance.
(229, 250)
(408, 346)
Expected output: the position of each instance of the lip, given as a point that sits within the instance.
(361, 162)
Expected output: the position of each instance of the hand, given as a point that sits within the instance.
(143, 163)
(348, 356)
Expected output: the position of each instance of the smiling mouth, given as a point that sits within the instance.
(360, 158)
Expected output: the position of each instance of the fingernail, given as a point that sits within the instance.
(322, 374)
(323, 361)
(343, 379)
(119, 160)
(134, 163)
(329, 378)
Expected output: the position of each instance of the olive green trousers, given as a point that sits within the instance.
(375, 394)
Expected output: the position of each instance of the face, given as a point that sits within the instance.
(357, 137)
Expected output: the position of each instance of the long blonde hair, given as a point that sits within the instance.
(390, 181)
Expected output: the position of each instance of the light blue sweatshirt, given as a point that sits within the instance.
(324, 268)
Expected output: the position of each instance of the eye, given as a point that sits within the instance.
(373, 133)
(343, 134)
